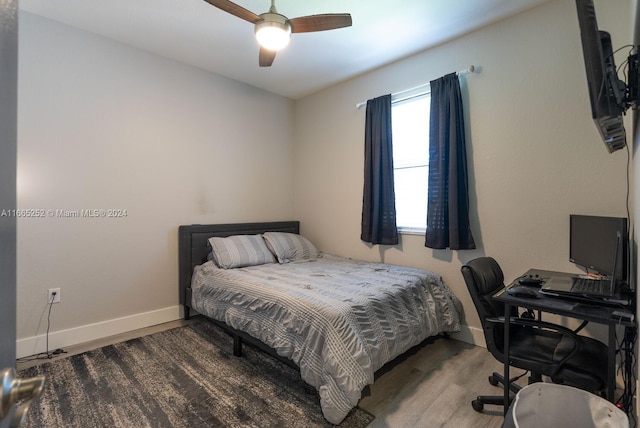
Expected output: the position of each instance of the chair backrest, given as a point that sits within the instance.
(484, 278)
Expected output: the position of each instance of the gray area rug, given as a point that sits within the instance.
(184, 377)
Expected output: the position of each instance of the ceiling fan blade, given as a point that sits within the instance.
(327, 21)
(266, 57)
(235, 10)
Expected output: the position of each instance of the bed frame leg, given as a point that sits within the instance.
(187, 316)
(237, 345)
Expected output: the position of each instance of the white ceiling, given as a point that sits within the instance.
(196, 33)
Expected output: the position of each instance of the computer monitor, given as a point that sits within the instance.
(595, 243)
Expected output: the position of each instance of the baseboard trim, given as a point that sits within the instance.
(472, 335)
(86, 333)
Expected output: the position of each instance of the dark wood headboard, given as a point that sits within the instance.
(193, 246)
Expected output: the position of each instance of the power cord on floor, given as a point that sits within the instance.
(45, 355)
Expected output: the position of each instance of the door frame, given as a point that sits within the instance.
(8, 169)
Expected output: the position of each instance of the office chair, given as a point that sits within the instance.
(542, 348)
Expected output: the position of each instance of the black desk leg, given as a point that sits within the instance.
(611, 364)
(507, 322)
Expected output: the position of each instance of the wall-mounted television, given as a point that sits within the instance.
(598, 244)
(610, 97)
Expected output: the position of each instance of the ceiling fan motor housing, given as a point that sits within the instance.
(273, 31)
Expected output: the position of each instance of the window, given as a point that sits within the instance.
(410, 127)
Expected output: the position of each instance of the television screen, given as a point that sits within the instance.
(596, 242)
(607, 93)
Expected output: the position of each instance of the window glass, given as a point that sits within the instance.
(410, 127)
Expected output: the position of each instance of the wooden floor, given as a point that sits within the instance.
(431, 386)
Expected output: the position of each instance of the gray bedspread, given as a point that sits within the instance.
(338, 319)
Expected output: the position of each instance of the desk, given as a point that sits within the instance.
(592, 312)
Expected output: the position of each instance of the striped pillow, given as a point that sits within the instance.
(239, 251)
(290, 246)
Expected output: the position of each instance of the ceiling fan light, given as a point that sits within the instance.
(273, 35)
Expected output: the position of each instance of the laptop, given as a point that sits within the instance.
(580, 286)
(605, 289)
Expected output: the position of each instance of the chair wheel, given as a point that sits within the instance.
(493, 381)
(477, 405)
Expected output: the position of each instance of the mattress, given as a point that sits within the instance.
(338, 319)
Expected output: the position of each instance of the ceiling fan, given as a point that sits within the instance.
(273, 30)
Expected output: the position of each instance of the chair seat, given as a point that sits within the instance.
(586, 369)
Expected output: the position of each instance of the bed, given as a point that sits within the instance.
(335, 319)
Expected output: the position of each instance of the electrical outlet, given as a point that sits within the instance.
(53, 295)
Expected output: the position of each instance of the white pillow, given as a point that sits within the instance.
(289, 246)
(239, 251)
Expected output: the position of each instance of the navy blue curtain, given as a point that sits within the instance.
(378, 200)
(448, 198)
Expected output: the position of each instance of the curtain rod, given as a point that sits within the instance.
(471, 69)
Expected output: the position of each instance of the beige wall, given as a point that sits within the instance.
(103, 125)
(534, 153)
